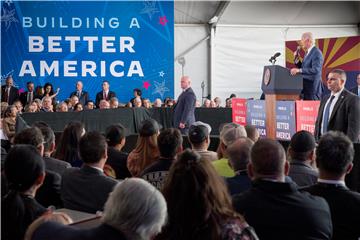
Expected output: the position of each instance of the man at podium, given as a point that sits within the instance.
(310, 68)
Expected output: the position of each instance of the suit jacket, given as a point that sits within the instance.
(355, 90)
(277, 210)
(13, 95)
(83, 98)
(23, 98)
(117, 160)
(239, 183)
(49, 193)
(55, 231)
(302, 174)
(344, 207)
(99, 97)
(86, 189)
(185, 108)
(56, 165)
(311, 68)
(344, 117)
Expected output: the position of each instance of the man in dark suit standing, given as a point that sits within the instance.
(334, 163)
(86, 189)
(339, 111)
(80, 93)
(356, 89)
(310, 68)
(275, 208)
(184, 110)
(28, 96)
(9, 93)
(105, 94)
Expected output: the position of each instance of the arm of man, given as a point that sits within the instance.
(353, 131)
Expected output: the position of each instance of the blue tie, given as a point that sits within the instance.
(326, 115)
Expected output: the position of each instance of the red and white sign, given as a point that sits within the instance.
(239, 111)
(306, 114)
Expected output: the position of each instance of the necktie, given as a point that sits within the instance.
(326, 115)
(6, 97)
(105, 96)
(78, 94)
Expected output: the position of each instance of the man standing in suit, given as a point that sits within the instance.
(184, 112)
(275, 208)
(9, 93)
(28, 96)
(334, 163)
(310, 68)
(86, 189)
(356, 90)
(339, 111)
(80, 93)
(105, 94)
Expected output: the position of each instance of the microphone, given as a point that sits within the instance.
(273, 58)
(297, 54)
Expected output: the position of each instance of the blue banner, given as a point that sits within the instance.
(256, 115)
(285, 120)
(129, 44)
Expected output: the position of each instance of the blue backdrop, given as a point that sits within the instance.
(138, 53)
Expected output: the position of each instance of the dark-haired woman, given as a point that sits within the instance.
(24, 172)
(199, 205)
(49, 92)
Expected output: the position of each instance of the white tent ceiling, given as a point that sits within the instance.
(269, 12)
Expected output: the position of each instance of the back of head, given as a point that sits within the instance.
(92, 147)
(252, 132)
(49, 137)
(230, 133)
(198, 133)
(334, 153)
(148, 127)
(136, 208)
(301, 145)
(169, 141)
(268, 158)
(115, 134)
(239, 153)
(31, 136)
(196, 197)
(69, 141)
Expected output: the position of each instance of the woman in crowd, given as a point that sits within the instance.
(49, 92)
(39, 92)
(146, 151)
(67, 149)
(24, 172)
(9, 121)
(78, 107)
(199, 205)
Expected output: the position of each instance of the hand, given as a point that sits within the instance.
(294, 71)
(181, 125)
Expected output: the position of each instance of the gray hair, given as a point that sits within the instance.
(136, 208)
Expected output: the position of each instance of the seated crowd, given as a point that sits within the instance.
(250, 188)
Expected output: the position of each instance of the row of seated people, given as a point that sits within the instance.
(199, 203)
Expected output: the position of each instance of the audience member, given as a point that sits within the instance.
(302, 156)
(157, 103)
(114, 103)
(46, 105)
(356, 90)
(275, 208)
(134, 210)
(217, 101)
(86, 189)
(28, 96)
(229, 134)
(239, 157)
(31, 108)
(228, 103)
(17, 103)
(4, 106)
(73, 101)
(137, 94)
(51, 163)
(146, 150)
(146, 103)
(78, 107)
(137, 102)
(90, 105)
(104, 94)
(39, 92)
(49, 92)
(82, 95)
(67, 149)
(199, 138)
(212, 104)
(170, 144)
(24, 170)
(49, 192)
(334, 157)
(117, 160)
(169, 103)
(252, 133)
(9, 122)
(62, 107)
(9, 93)
(199, 205)
(207, 103)
(104, 104)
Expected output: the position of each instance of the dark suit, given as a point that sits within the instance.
(355, 90)
(49, 193)
(277, 210)
(100, 96)
(86, 189)
(344, 207)
(311, 68)
(184, 110)
(302, 174)
(55, 231)
(83, 98)
(56, 165)
(344, 117)
(239, 183)
(24, 98)
(118, 160)
(13, 95)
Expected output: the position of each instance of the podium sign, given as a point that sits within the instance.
(256, 115)
(285, 120)
(306, 114)
(239, 111)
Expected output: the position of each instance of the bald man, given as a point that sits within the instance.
(80, 93)
(310, 68)
(184, 109)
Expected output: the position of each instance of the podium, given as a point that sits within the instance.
(278, 84)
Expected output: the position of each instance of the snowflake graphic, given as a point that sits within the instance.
(8, 2)
(149, 8)
(8, 17)
(3, 77)
(160, 88)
